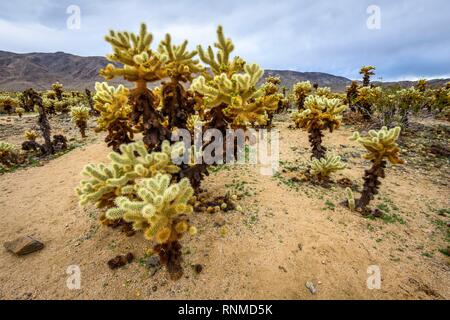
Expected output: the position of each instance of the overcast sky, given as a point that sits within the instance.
(413, 40)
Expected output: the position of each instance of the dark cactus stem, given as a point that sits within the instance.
(91, 102)
(170, 256)
(119, 133)
(315, 139)
(177, 104)
(44, 125)
(143, 106)
(371, 183)
(26, 100)
(82, 125)
(366, 110)
(366, 80)
(405, 118)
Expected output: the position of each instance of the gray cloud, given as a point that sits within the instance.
(316, 35)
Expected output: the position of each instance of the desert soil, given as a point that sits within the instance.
(290, 232)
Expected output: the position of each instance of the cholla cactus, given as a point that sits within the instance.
(245, 104)
(141, 65)
(365, 98)
(322, 168)
(300, 91)
(115, 110)
(30, 135)
(160, 210)
(177, 104)
(350, 199)
(105, 182)
(231, 95)
(20, 111)
(324, 92)
(320, 114)
(271, 88)
(80, 115)
(409, 101)
(367, 72)
(352, 93)
(8, 104)
(421, 85)
(9, 154)
(380, 145)
(58, 90)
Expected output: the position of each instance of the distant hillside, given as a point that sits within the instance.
(39, 70)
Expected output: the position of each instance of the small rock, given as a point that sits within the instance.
(154, 288)
(120, 260)
(198, 268)
(153, 264)
(377, 213)
(219, 221)
(23, 245)
(282, 268)
(311, 287)
(300, 247)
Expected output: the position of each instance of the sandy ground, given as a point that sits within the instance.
(289, 233)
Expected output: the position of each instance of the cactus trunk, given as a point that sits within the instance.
(143, 105)
(82, 125)
(119, 133)
(371, 183)
(315, 139)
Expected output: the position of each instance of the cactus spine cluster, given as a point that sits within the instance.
(323, 167)
(300, 91)
(381, 146)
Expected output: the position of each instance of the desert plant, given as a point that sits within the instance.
(30, 135)
(322, 168)
(114, 108)
(421, 85)
(25, 100)
(80, 115)
(324, 92)
(351, 94)
(230, 96)
(90, 101)
(44, 125)
(381, 146)
(365, 98)
(105, 182)
(9, 154)
(367, 72)
(140, 65)
(8, 104)
(320, 114)
(20, 111)
(300, 91)
(271, 87)
(30, 144)
(58, 90)
(409, 101)
(160, 209)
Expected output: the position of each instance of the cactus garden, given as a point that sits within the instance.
(137, 181)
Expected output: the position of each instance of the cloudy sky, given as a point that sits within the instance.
(412, 41)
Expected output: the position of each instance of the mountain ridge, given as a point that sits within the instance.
(20, 71)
